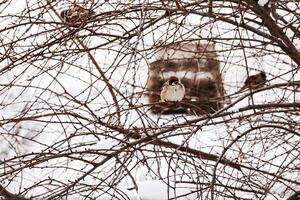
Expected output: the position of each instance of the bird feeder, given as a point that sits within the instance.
(197, 66)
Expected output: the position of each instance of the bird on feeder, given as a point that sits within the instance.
(172, 90)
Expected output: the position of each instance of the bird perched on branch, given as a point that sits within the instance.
(255, 81)
(172, 90)
(76, 15)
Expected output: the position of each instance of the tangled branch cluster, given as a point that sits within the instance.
(75, 121)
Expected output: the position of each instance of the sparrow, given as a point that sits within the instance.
(255, 81)
(172, 90)
(76, 15)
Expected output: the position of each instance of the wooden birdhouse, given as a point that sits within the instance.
(197, 67)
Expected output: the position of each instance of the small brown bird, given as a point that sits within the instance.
(76, 15)
(172, 90)
(255, 81)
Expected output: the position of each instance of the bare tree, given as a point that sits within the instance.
(75, 120)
